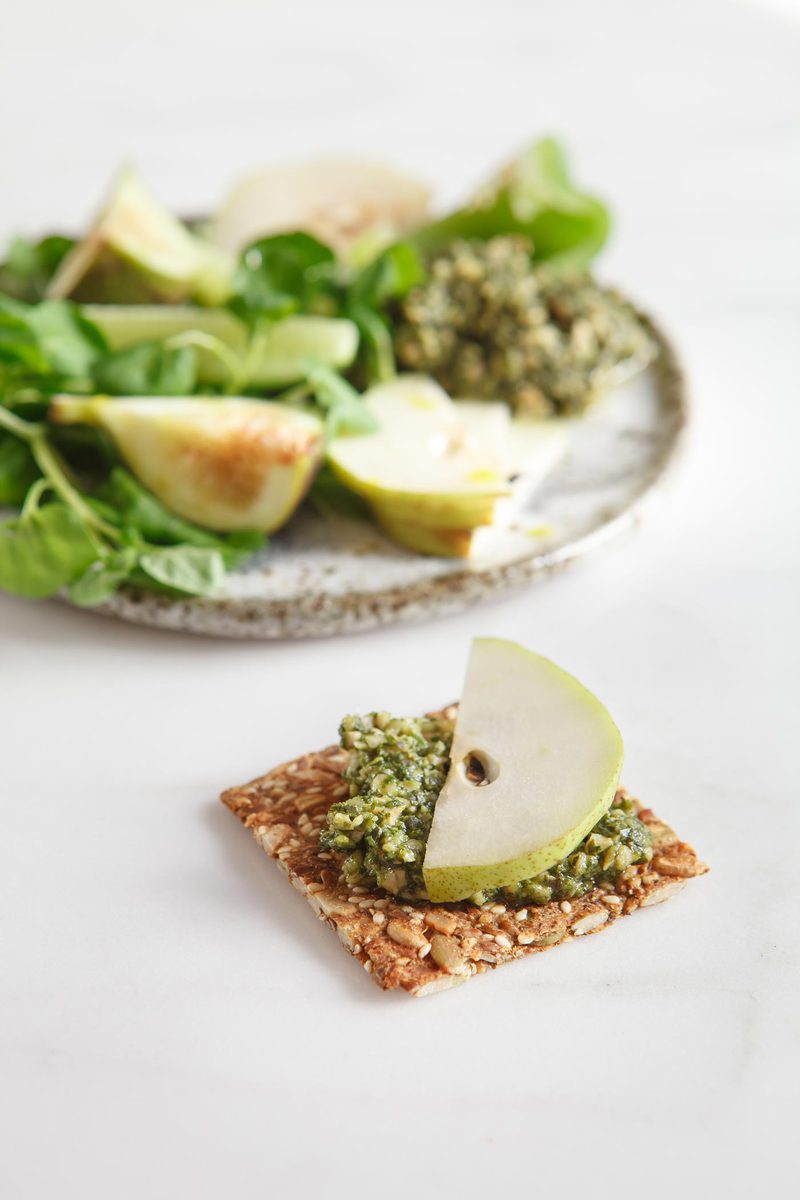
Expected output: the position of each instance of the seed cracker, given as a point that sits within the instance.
(419, 946)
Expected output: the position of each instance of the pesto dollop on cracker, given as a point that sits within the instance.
(396, 769)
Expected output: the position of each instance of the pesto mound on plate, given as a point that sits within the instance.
(489, 323)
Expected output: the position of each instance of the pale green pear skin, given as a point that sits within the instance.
(419, 464)
(137, 252)
(437, 541)
(282, 354)
(458, 861)
(430, 509)
(442, 466)
(226, 464)
(459, 510)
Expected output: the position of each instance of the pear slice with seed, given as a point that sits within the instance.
(535, 763)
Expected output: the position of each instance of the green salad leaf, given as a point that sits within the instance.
(70, 344)
(191, 570)
(148, 369)
(536, 198)
(388, 277)
(144, 519)
(103, 577)
(19, 344)
(30, 265)
(17, 470)
(49, 343)
(43, 550)
(134, 508)
(281, 275)
(330, 497)
(345, 411)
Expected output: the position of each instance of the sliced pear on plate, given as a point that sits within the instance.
(337, 200)
(422, 464)
(137, 253)
(438, 474)
(436, 540)
(283, 351)
(535, 763)
(225, 464)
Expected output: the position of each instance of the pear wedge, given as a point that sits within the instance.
(337, 200)
(535, 763)
(529, 447)
(284, 350)
(423, 464)
(438, 541)
(137, 253)
(225, 464)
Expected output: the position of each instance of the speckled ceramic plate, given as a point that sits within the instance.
(325, 576)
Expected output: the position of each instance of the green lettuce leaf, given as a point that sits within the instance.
(536, 198)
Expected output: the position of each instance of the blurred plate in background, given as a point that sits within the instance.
(323, 576)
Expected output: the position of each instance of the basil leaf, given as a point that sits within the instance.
(344, 407)
(17, 470)
(102, 578)
(535, 198)
(43, 551)
(187, 569)
(148, 369)
(281, 275)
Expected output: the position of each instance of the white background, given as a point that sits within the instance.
(173, 1021)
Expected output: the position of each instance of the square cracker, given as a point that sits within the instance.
(423, 947)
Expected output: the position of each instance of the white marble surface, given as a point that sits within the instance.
(173, 1021)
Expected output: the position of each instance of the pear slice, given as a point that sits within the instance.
(526, 447)
(423, 464)
(336, 200)
(535, 763)
(137, 252)
(226, 464)
(529, 447)
(437, 540)
(283, 352)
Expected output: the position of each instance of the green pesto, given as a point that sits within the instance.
(396, 769)
(489, 325)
